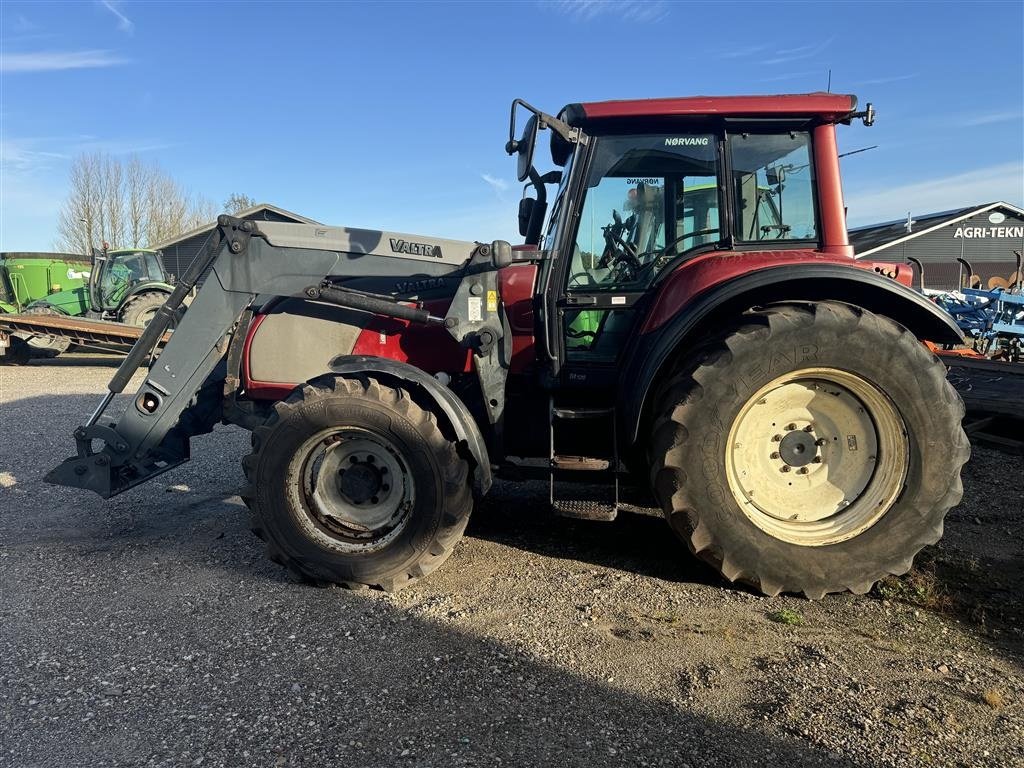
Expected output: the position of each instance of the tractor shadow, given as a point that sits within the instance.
(518, 515)
(80, 358)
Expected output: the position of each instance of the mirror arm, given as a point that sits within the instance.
(539, 208)
(562, 128)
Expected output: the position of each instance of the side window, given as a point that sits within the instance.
(648, 198)
(153, 271)
(773, 181)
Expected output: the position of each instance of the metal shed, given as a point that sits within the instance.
(984, 235)
(179, 251)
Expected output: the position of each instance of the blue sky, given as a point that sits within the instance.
(394, 115)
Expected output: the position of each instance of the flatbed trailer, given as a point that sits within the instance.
(993, 392)
(114, 337)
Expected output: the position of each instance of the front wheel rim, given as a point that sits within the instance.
(817, 456)
(357, 491)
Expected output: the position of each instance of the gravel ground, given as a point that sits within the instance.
(149, 630)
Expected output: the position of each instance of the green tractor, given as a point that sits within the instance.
(126, 286)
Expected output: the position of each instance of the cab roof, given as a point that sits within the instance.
(830, 107)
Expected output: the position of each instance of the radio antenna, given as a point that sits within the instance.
(855, 151)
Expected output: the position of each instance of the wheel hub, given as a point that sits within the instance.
(797, 448)
(362, 481)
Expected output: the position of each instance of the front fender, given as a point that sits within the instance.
(462, 422)
(154, 287)
(719, 306)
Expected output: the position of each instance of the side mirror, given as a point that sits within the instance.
(524, 148)
(525, 214)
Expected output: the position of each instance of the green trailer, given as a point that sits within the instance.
(27, 277)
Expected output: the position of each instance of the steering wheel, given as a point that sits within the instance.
(673, 243)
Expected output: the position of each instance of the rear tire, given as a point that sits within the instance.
(815, 449)
(18, 353)
(142, 307)
(46, 346)
(352, 482)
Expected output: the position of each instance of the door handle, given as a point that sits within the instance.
(580, 301)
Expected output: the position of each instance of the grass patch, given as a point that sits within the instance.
(665, 617)
(994, 698)
(920, 587)
(786, 616)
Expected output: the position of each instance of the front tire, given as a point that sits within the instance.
(352, 482)
(815, 449)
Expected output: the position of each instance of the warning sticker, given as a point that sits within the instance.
(475, 303)
(492, 301)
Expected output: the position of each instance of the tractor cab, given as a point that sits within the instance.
(118, 274)
(648, 185)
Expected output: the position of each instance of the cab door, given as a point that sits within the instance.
(645, 201)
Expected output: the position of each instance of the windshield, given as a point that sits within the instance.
(648, 199)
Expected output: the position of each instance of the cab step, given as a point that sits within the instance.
(589, 497)
(585, 509)
(580, 463)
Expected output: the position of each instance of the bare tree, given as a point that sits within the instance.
(126, 204)
(238, 202)
(136, 180)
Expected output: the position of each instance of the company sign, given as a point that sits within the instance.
(979, 232)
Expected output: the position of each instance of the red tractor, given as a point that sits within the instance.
(687, 328)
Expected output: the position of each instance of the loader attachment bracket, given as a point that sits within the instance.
(476, 319)
(102, 472)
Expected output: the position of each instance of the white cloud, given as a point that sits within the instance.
(640, 11)
(740, 53)
(123, 22)
(876, 203)
(23, 24)
(798, 54)
(889, 79)
(992, 117)
(790, 76)
(51, 61)
(498, 185)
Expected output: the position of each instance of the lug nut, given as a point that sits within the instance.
(775, 455)
(816, 460)
(820, 441)
(785, 468)
(777, 439)
(802, 471)
(809, 428)
(791, 427)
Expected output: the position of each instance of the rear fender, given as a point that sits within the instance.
(657, 352)
(462, 423)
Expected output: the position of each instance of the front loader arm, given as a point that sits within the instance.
(242, 263)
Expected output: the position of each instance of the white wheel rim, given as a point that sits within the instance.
(817, 456)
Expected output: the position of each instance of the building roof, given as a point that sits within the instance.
(829, 106)
(252, 213)
(875, 237)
